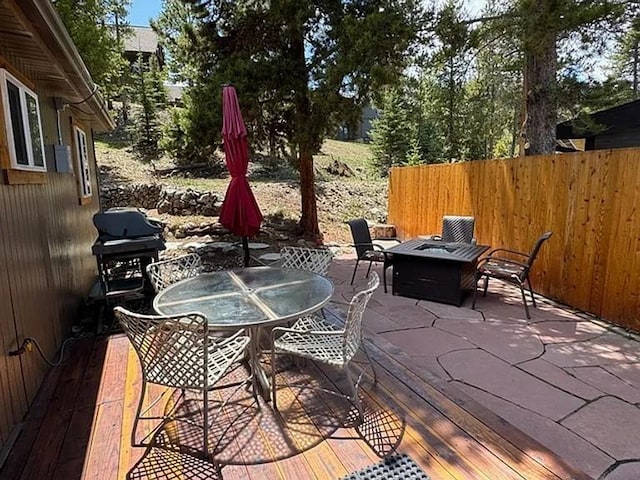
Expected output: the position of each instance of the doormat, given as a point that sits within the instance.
(395, 467)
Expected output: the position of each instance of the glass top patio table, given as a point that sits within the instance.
(248, 297)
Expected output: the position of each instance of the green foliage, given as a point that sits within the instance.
(402, 135)
(300, 67)
(177, 29)
(148, 91)
(92, 26)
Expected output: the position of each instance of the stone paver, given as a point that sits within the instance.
(629, 372)
(610, 424)
(426, 341)
(586, 354)
(560, 440)
(512, 343)
(375, 322)
(561, 398)
(482, 370)
(607, 382)
(432, 365)
(561, 379)
(567, 331)
(442, 310)
(406, 316)
(625, 471)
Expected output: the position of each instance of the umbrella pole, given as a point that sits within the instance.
(245, 248)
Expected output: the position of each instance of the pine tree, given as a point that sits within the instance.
(151, 95)
(299, 66)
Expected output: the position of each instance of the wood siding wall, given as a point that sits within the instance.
(589, 200)
(46, 271)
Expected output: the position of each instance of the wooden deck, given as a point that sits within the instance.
(79, 427)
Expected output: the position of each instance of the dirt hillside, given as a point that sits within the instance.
(346, 187)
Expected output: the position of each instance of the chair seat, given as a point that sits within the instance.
(373, 255)
(181, 372)
(327, 348)
(501, 269)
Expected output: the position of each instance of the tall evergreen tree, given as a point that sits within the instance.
(148, 90)
(308, 64)
(402, 135)
(91, 26)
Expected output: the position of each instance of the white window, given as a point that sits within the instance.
(83, 162)
(22, 121)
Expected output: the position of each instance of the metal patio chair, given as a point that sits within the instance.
(167, 272)
(509, 266)
(369, 251)
(316, 260)
(317, 339)
(179, 352)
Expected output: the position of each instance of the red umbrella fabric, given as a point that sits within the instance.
(240, 212)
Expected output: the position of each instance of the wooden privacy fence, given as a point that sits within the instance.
(589, 200)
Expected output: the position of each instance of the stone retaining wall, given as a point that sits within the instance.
(165, 200)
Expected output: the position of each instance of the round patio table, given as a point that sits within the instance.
(249, 298)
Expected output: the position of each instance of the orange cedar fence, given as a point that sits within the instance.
(589, 200)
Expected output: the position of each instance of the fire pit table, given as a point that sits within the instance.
(435, 270)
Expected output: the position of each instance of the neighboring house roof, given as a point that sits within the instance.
(612, 120)
(33, 32)
(141, 39)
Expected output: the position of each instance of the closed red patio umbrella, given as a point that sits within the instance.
(240, 212)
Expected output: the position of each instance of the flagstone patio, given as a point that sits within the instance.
(567, 379)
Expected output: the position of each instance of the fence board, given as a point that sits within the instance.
(589, 200)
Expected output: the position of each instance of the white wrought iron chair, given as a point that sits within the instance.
(179, 352)
(316, 260)
(317, 339)
(167, 272)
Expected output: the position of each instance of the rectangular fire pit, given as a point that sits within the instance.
(432, 270)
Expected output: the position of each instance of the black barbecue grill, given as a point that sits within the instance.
(127, 242)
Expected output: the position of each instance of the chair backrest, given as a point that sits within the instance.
(353, 323)
(457, 229)
(316, 260)
(173, 351)
(167, 272)
(536, 248)
(361, 236)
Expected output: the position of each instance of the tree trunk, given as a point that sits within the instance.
(541, 65)
(303, 137)
(309, 217)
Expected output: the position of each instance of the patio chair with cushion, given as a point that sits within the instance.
(167, 272)
(316, 260)
(179, 352)
(369, 251)
(320, 340)
(510, 266)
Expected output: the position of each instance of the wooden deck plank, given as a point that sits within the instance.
(128, 453)
(459, 453)
(53, 428)
(102, 458)
(511, 445)
(443, 431)
(363, 451)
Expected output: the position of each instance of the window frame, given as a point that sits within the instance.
(83, 165)
(23, 90)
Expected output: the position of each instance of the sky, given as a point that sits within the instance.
(142, 10)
